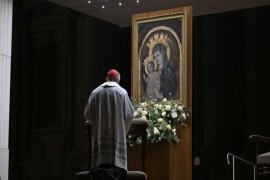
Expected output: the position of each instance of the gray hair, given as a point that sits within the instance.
(114, 79)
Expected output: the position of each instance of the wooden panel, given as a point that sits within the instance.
(164, 160)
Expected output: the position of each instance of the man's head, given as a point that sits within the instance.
(113, 75)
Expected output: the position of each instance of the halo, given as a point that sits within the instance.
(146, 61)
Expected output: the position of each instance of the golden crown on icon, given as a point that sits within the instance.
(160, 38)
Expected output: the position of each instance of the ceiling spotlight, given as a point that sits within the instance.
(89, 2)
(137, 1)
(103, 6)
(120, 4)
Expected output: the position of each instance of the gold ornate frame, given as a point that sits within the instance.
(172, 29)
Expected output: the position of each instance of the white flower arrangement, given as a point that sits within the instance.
(164, 118)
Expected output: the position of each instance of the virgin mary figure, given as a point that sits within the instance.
(168, 83)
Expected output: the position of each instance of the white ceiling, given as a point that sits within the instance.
(121, 15)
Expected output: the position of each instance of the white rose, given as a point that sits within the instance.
(168, 108)
(160, 120)
(174, 131)
(144, 113)
(174, 115)
(164, 100)
(138, 141)
(180, 108)
(156, 131)
(139, 110)
(143, 104)
(156, 106)
(169, 127)
(148, 133)
(184, 116)
(136, 114)
(144, 117)
(159, 106)
(163, 114)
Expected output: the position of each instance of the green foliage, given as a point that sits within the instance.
(164, 118)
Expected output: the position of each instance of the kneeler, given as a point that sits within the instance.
(138, 127)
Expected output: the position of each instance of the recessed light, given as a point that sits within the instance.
(89, 2)
(103, 7)
(120, 4)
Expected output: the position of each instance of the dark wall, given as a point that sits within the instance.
(58, 57)
(220, 122)
(230, 92)
(257, 62)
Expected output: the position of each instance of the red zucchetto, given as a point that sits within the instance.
(112, 73)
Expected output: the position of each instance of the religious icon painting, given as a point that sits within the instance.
(161, 54)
